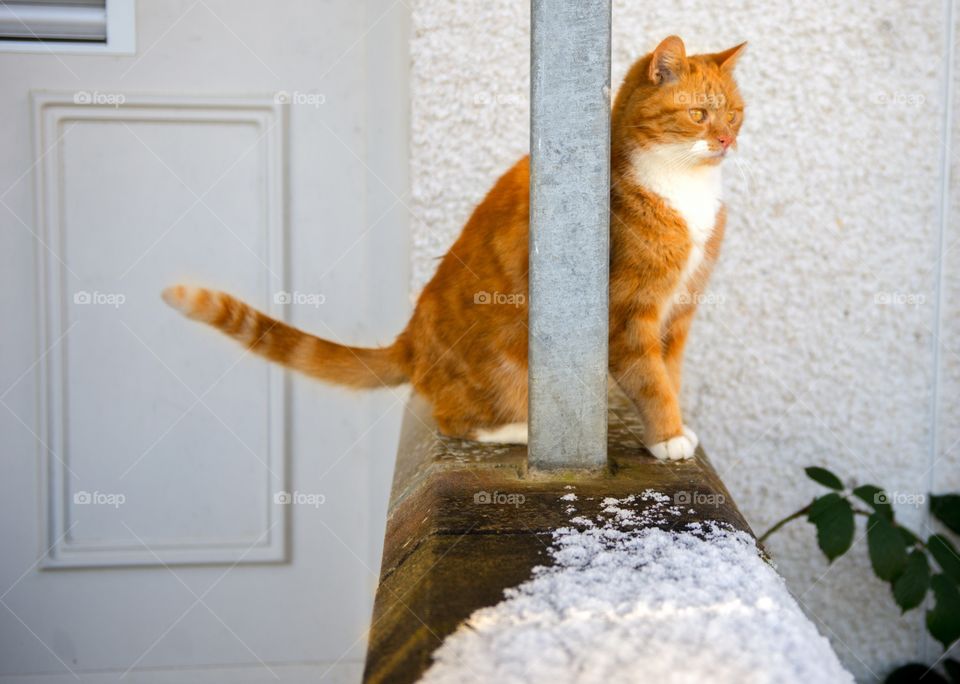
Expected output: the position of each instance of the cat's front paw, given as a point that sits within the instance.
(674, 449)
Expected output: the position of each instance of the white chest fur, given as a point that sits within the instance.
(694, 192)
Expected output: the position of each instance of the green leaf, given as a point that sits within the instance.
(824, 477)
(909, 538)
(953, 670)
(912, 584)
(888, 552)
(946, 556)
(943, 620)
(876, 498)
(946, 508)
(913, 673)
(833, 516)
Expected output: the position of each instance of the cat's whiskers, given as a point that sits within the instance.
(743, 166)
(682, 160)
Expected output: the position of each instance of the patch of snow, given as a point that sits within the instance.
(627, 601)
(569, 497)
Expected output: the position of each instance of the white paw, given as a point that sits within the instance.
(510, 433)
(691, 435)
(673, 449)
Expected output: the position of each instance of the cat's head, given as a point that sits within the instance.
(684, 107)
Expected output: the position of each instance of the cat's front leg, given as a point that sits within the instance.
(637, 364)
(673, 344)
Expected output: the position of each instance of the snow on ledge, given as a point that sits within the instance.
(628, 602)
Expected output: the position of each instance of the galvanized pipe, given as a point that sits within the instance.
(569, 232)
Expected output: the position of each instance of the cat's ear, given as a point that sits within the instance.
(669, 61)
(727, 59)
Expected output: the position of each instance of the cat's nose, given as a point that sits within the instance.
(725, 140)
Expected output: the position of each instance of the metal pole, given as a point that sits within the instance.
(569, 232)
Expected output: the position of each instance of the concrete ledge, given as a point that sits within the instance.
(467, 521)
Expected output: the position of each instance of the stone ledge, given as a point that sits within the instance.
(448, 552)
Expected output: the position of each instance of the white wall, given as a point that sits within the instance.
(835, 207)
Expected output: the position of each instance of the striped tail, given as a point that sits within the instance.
(337, 363)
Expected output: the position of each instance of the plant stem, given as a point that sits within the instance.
(793, 516)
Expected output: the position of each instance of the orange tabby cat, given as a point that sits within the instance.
(674, 119)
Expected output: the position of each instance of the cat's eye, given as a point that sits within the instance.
(732, 117)
(698, 115)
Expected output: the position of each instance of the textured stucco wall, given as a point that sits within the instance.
(817, 345)
(945, 470)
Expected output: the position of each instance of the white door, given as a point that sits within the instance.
(172, 508)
